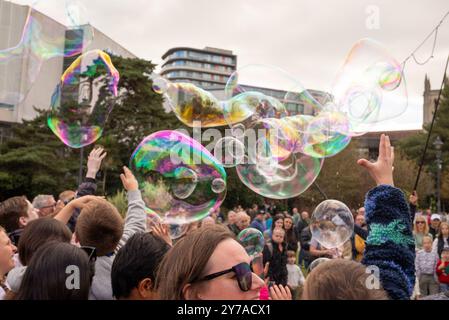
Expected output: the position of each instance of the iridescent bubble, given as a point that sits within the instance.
(24, 53)
(280, 180)
(332, 223)
(153, 219)
(229, 151)
(83, 99)
(176, 231)
(179, 179)
(326, 135)
(252, 240)
(316, 262)
(370, 86)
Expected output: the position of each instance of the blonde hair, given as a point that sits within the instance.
(426, 226)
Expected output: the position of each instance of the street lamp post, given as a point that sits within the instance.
(438, 144)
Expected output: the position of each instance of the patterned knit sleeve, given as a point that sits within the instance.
(390, 244)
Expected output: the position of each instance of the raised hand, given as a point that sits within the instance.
(382, 170)
(128, 180)
(161, 231)
(94, 160)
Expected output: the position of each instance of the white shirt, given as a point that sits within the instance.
(295, 276)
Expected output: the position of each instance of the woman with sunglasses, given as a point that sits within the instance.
(208, 264)
(420, 230)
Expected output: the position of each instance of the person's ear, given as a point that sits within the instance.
(145, 289)
(75, 241)
(23, 221)
(190, 293)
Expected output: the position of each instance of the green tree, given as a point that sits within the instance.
(413, 146)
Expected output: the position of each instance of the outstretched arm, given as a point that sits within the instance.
(390, 245)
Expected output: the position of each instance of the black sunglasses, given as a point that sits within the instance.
(420, 222)
(243, 272)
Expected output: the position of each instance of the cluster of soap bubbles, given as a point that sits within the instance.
(38, 42)
(281, 136)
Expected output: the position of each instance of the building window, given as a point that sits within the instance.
(228, 60)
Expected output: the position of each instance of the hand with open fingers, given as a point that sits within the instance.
(94, 160)
(413, 199)
(128, 180)
(279, 292)
(382, 170)
(161, 230)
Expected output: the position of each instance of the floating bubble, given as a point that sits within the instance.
(176, 231)
(179, 179)
(153, 219)
(370, 86)
(83, 99)
(229, 151)
(252, 240)
(332, 223)
(326, 134)
(25, 52)
(316, 262)
(280, 180)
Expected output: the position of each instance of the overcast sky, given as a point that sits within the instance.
(307, 38)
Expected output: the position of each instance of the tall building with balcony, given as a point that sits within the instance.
(207, 68)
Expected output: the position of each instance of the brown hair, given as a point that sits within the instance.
(340, 279)
(99, 225)
(185, 262)
(291, 253)
(10, 212)
(37, 233)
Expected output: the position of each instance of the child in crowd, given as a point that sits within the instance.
(425, 263)
(100, 225)
(295, 276)
(443, 270)
(275, 257)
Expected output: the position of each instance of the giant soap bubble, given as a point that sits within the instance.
(25, 50)
(332, 224)
(180, 180)
(83, 99)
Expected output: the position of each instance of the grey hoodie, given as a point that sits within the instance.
(135, 221)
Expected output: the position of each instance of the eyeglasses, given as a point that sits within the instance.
(51, 206)
(420, 222)
(243, 272)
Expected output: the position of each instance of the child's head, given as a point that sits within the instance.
(427, 243)
(445, 254)
(39, 232)
(133, 272)
(341, 279)
(278, 235)
(291, 257)
(99, 225)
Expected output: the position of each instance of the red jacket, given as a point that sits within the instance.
(443, 276)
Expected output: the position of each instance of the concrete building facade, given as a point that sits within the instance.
(27, 81)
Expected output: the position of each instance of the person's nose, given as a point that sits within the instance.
(257, 282)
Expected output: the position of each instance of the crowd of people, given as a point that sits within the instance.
(79, 247)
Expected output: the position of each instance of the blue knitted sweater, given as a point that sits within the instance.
(390, 245)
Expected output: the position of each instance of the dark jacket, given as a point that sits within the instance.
(87, 188)
(277, 270)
